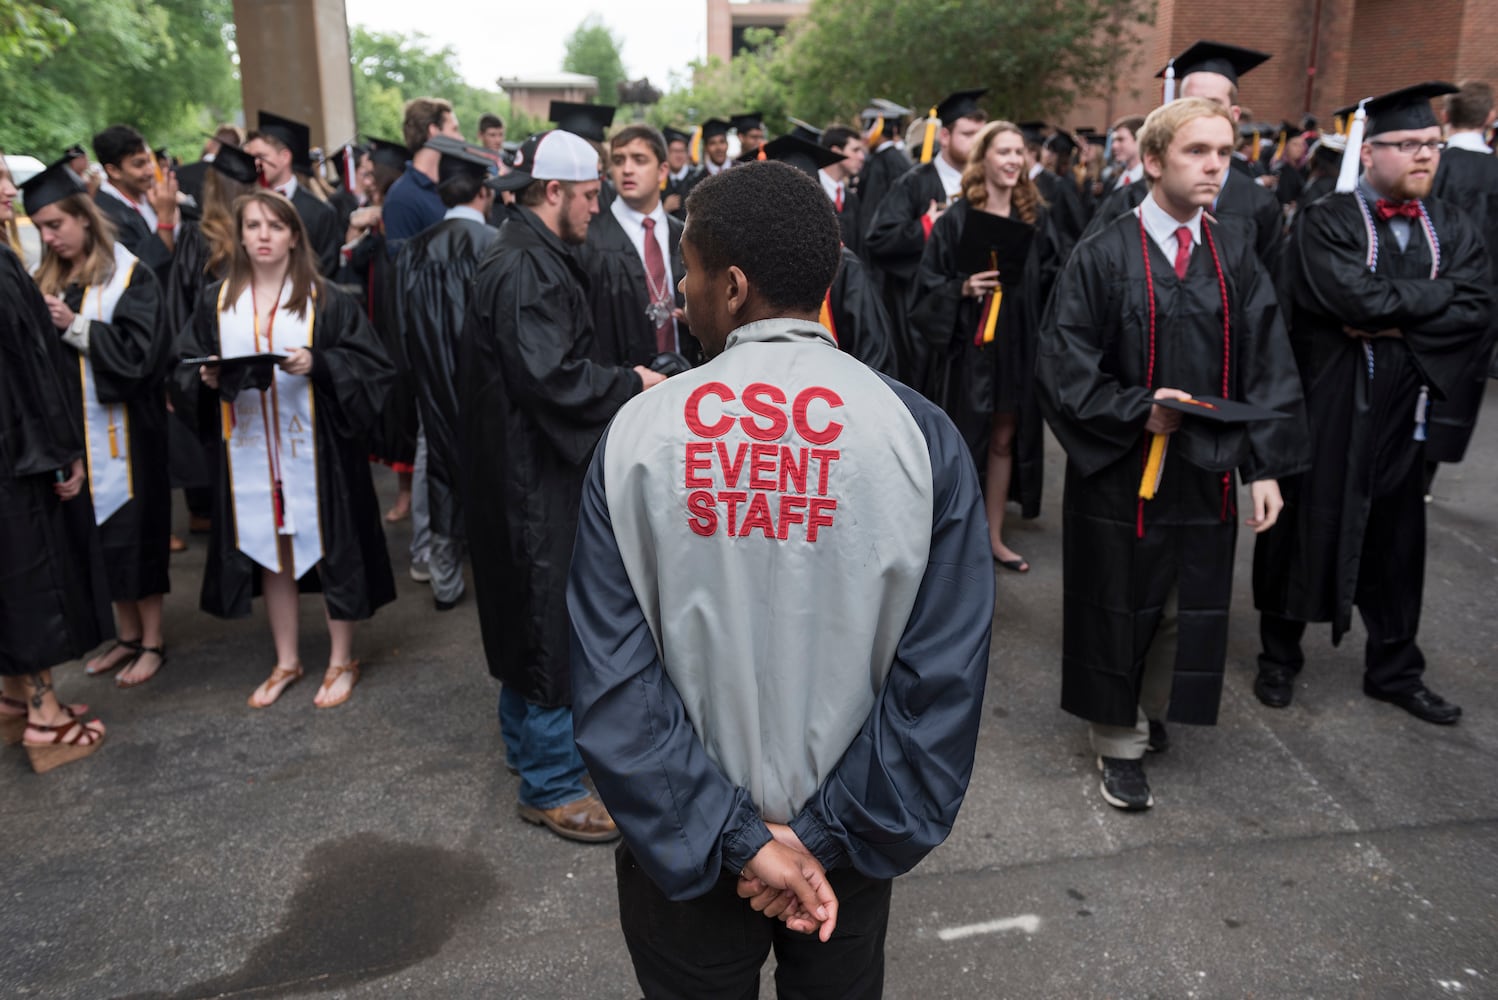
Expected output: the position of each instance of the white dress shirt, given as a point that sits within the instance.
(1471, 141)
(465, 212)
(143, 207)
(633, 224)
(951, 177)
(831, 187)
(289, 188)
(1134, 173)
(1162, 226)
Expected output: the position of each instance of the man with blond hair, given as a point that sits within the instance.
(1161, 304)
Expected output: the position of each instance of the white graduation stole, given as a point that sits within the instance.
(270, 438)
(106, 425)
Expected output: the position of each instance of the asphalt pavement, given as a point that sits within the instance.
(1338, 848)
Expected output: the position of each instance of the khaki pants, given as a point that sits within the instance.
(1129, 742)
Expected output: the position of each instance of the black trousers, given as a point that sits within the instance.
(712, 947)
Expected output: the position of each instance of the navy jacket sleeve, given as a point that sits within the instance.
(682, 818)
(895, 794)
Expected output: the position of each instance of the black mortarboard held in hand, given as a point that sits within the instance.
(50, 186)
(294, 135)
(587, 120)
(994, 243)
(1222, 411)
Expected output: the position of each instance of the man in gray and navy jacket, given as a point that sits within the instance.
(781, 600)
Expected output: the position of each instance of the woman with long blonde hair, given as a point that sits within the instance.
(294, 506)
(981, 323)
(106, 306)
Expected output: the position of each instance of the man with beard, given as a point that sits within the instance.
(897, 236)
(433, 274)
(1388, 294)
(633, 259)
(533, 404)
(1211, 70)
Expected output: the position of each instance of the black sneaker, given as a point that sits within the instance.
(1159, 738)
(1275, 686)
(1123, 784)
(1423, 703)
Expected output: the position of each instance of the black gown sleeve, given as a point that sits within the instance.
(897, 236)
(40, 430)
(939, 302)
(1268, 377)
(858, 313)
(350, 367)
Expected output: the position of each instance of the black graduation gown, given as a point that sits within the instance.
(1317, 188)
(680, 188)
(191, 458)
(321, 220)
(190, 179)
(617, 294)
(130, 356)
(859, 320)
(1290, 184)
(1244, 211)
(350, 378)
(1468, 179)
(1121, 556)
(434, 273)
(54, 601)
(849, 220)
(894, 241)
(1366, 480)
(1060, 193)
(534, 405)
(392, 439)
(969, 382)
(881, 170)
(344, 204)
(132, 231)
(698, 174)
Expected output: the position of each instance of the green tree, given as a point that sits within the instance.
(1035, 56)
(593, 48)
(753, 80)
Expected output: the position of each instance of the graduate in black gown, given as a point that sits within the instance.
(635, 316)
(1211, 70)
(852, 310)
(1389, 296)
(1160, 304)
(1324, 161)
(714, 156)
(1467, 177)
(434, 272)
(885, 163)
(106, 306)
(54, 600)
(137, 197)
(1288, 165)
(897, 235)
(678, 170)
(295, 508)
(1053, 155)
(980, 319)
(283, 148)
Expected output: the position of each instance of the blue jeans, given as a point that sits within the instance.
(539, 744)
(421, 520)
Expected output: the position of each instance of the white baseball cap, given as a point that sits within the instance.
(550, 156)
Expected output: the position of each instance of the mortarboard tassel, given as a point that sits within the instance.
(695, 146)
(876, 134)
(1170, 82)
(930, 141)
(1347, 179)
(1339, 124)
(1279, 148)
(825, 315)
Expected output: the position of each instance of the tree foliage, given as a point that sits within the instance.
(752, 81)
(76, 66)
(593, 48)
(391, 69)
(1035, 56)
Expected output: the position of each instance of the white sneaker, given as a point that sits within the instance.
(420, 573)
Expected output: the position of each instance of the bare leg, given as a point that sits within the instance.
(280, 592)
(340, 652)
(1000, 470)
(127, 627)
(43, 709)
(402, 508)
(147, 615)
(16, 692)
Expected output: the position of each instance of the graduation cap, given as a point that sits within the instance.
(802, 154)
(1230, 61)
(1061, 143)
(557, 155)
(75, 151)
(1221, 411)
(960, 104)
(879, 113)
(992, 242)
(235, 164)
(388, 154)
(805, 130)
(675, 135)
(746, 121)
(459, 159)
(714, 127)
(294, 135)
(1406, 108)
(586, 120)
(1033, 131)
(50, 186)
(1328, 149)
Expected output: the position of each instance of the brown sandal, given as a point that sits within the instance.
(331, 678)
(284, 676)
(73, 740)
(13, 727)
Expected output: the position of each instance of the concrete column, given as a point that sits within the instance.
(294, 61)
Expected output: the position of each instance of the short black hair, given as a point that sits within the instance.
(647, 134)
(460, 189)
(488, 121)
(837, 136)
(774, 223)
(113, 145)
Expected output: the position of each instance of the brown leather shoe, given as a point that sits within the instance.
(586, 820)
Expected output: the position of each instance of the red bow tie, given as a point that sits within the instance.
(1388, 209)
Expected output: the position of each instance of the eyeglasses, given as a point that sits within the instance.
(1410, 147)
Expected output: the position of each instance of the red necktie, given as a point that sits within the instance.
(1183, 251)
(839, 201)
(1386, 209)
(657, 285)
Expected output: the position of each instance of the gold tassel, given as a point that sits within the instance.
(825, 316)
(695, 146)
(875, 134)
(991, 321)
(929, 144)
